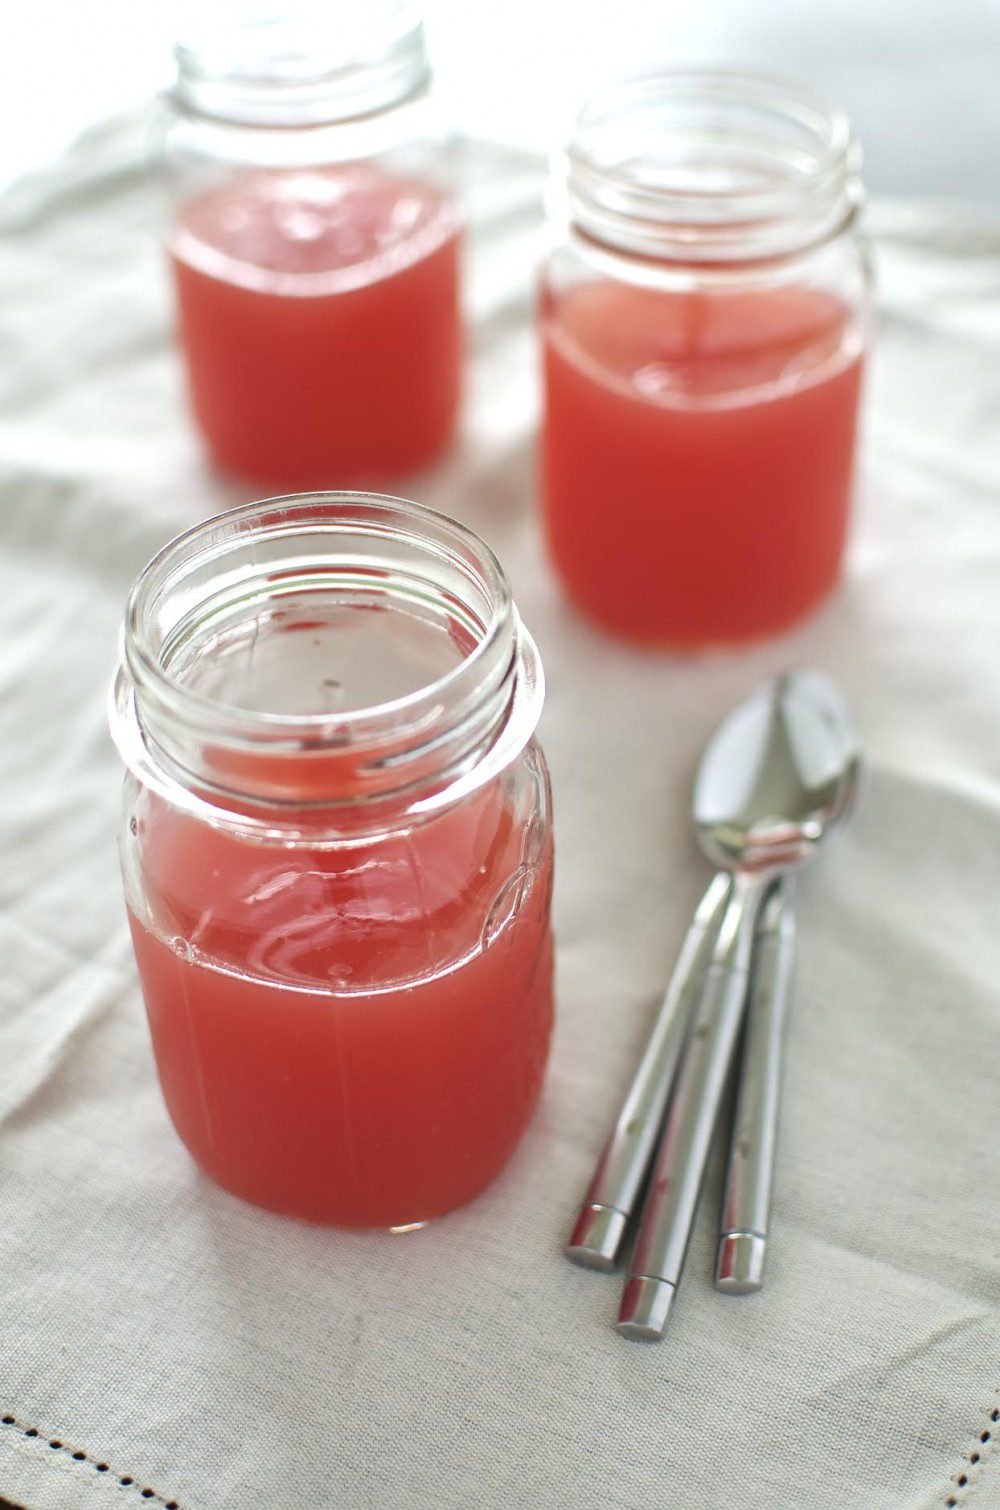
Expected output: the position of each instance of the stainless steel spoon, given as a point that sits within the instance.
(771, 787)
(746, 1200)
(612, 1196)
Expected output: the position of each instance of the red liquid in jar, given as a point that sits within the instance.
(319, 316)
(697, 456)
(354, 1035)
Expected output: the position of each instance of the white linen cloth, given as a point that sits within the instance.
(223, 1358)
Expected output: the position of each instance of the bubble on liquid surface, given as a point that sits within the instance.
(656, 378)
(302, 225)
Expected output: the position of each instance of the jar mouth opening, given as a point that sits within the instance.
(376, 514)
(709, 165)
(300, 65)
(220, 693)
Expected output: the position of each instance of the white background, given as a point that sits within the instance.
(919, 77)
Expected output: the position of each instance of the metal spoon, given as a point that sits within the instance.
(612, 1196)
(770, 788)
(746, 1200)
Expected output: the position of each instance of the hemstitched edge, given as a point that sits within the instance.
(87, 1460)
(965, 1481)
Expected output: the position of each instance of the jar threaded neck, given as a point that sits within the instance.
(302, 66)
(292, 564)
(709, 168)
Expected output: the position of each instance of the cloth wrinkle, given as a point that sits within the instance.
(894, 1361)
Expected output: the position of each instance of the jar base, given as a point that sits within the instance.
(671, 645)
(314, 1218)
(373, 478)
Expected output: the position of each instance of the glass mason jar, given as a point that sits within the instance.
(703, 324)
(314, 245)
(337, 854)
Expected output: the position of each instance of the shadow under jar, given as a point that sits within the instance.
(314, 246)
(703, 330)
(337, 854)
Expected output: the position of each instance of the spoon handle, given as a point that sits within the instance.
(747, 1200)
(613, 1193)
(668, 1215)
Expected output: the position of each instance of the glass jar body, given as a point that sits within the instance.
(316, 276)
(701, 409)
(337, 854)
(349, 1033)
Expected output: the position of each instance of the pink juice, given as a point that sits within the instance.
(352, 1033)
(697, 456)
(319, 318)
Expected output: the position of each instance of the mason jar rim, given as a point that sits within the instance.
(428, 746)
(291, 67)
(298, 506)
(623, 180)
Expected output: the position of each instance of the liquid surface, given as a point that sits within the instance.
(319, 316)
(697, 456)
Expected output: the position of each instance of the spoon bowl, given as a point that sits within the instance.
(777, 777)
